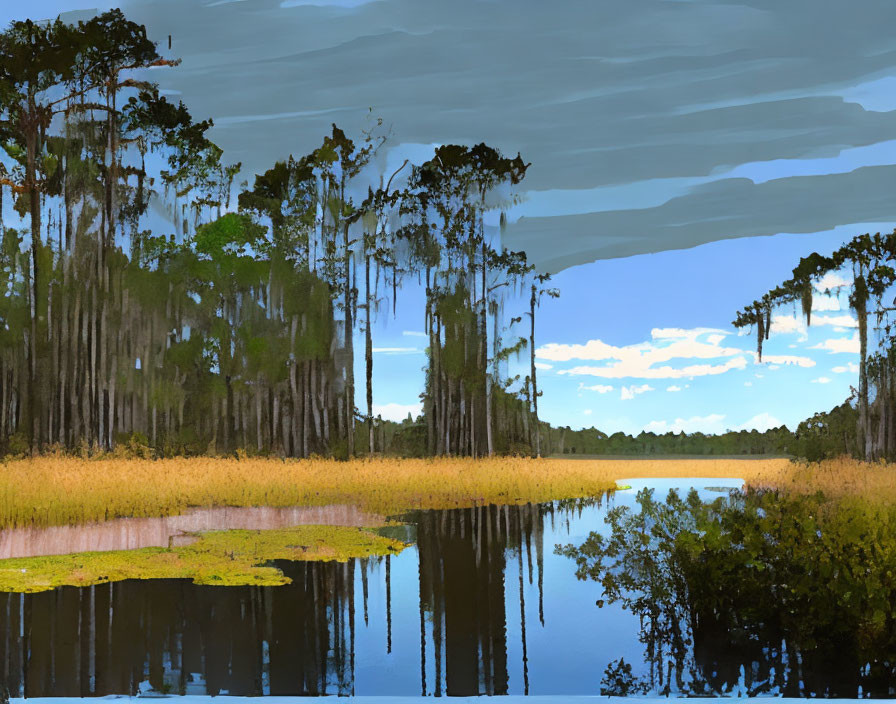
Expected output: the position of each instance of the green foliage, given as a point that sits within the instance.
(871, 259)
(236, 329)
(17, 445)
(618, 680)
(133, 446)
(779, 579)
(827, 435)
(590, 441)
(228, 235)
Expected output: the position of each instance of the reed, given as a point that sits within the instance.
(65, 490)
(840, 478)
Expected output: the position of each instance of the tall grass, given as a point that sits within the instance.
(839, 478)
(64, 490)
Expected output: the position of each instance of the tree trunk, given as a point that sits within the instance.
(349, 349)
(35, 398)
(532, 302)
(488, 378)
(368, 354)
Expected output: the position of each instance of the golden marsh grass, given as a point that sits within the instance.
(47, 491)
(841, 478)
(62, 490)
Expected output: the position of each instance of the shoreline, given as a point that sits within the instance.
(59, 491)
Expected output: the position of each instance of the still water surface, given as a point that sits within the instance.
(481, 604)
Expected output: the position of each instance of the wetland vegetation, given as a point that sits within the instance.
(172, 341)
(760, 592)
(220, 558)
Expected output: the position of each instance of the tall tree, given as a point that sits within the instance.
(537, 291)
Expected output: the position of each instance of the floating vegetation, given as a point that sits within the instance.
(225, 558)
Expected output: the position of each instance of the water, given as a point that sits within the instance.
(482, 604)
(166, 531)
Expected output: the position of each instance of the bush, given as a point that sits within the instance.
(18, 445)
(619, 681)
(132, 446)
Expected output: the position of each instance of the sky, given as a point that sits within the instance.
(685, 154)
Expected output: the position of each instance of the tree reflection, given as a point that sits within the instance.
(759, 591)
(183, 638)
(463, 559)
(297, 639)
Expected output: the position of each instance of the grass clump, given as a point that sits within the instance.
(225, 558)
(840, 478)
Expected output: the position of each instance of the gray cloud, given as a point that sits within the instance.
(592, 93)
(721, 210)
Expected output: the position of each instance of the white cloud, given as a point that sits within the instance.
(788, 324)
(629, 392)
(842, 321)
(696, 424)
(832, 280)
(413, 333)
(761, 422)
(543, 366)
(587, 412)
(397, 411)
(825, 303)
(591, 350)
(839, 344)
(618, 371)
(600, 388)
(396, 350)
(775, 360)
(639, 360)
(852, 368)
(684, 333)
(748, 383)
(796, 325)
(673, 388)
(821, 380)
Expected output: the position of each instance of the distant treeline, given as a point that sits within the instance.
(589, 441)
(141, 307)
(824, 435)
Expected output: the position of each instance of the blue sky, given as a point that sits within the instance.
(661, 315)
(684, 155)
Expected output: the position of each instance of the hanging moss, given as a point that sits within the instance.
(760, 331)
(859, 302)
(806, 300)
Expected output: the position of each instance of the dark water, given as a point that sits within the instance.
(693, 599)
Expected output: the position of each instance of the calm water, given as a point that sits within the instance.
(481, 604)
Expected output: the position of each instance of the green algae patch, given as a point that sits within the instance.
(224, 558)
